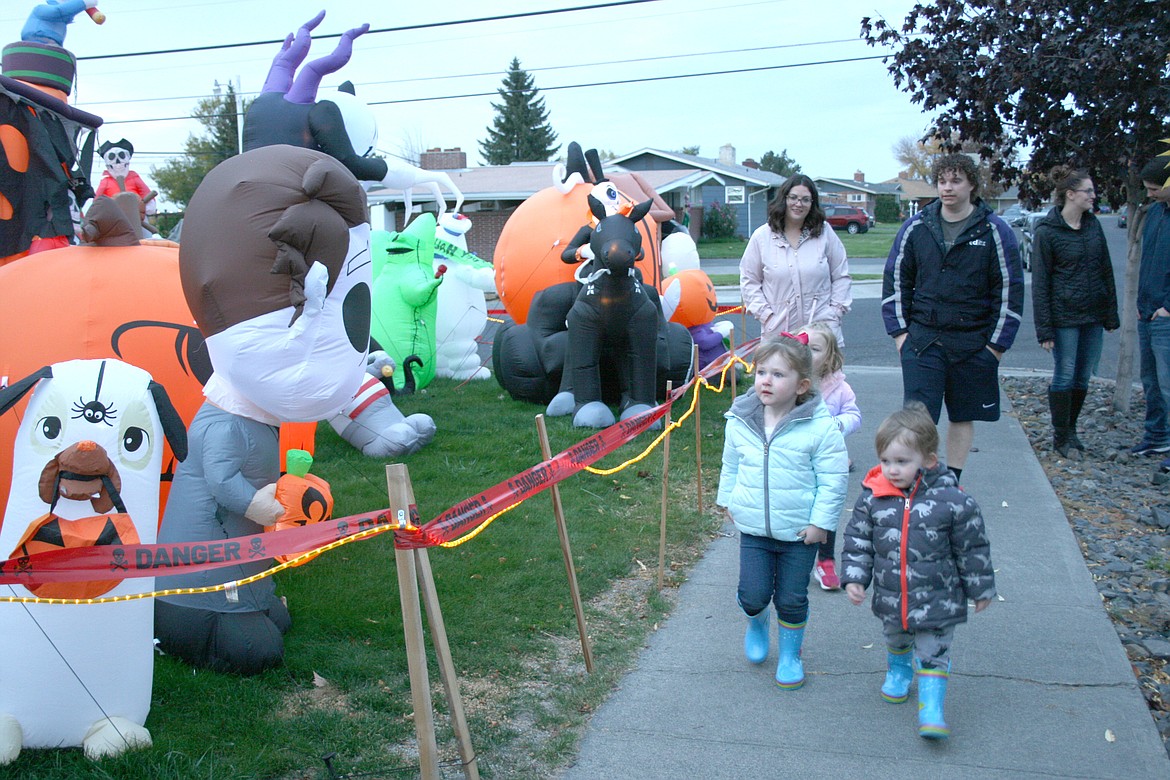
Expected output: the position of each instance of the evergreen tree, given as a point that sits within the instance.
(520, 131)
(177, 179)
(779, 164)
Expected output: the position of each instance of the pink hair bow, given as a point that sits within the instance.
(801, 337)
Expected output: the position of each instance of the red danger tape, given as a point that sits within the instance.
(83, 564)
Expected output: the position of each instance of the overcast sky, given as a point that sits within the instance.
(833, 119)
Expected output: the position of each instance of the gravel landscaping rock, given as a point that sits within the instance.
(1119, 508)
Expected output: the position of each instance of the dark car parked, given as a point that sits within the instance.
(850, 218)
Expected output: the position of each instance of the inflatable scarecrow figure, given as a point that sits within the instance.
(406, 288)
(119, 178)
(85, 474)
(462, 312)
(372, 423)
(42, 173)
(287, 111)
(274, 264)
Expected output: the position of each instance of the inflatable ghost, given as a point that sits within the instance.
(86, 473)
(287, 112)
(406, 288)
(372, 423)
(275, 265)
(462, 312)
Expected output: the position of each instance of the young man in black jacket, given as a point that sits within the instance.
(952, 299)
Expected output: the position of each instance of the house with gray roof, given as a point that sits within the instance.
(748, 189)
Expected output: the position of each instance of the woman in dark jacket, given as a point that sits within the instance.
(1073, 297)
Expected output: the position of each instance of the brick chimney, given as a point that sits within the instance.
(858, 176)
(750, 163)
(442, 159)
(727, 154)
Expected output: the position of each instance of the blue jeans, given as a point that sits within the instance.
(1076, 352)
(771, 570)
(1154, 350)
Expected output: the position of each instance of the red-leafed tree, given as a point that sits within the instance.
(1047, 81)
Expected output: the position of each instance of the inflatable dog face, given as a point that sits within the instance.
(85, 472)
(275, 266)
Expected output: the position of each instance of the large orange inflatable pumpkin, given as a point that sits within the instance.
(99, 302)
(528, 254)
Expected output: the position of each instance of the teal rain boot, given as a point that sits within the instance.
(899, 675)
(932, 692)
(790, 670)
(755, 640)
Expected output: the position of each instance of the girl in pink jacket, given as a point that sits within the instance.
(841, 402)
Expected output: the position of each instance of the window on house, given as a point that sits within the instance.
(733, 194)
(855, 197)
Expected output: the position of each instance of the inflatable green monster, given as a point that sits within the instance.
(405, 295)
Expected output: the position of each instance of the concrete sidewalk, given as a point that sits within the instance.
(1039, 679)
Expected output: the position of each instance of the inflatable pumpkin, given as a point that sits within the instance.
(100, 302)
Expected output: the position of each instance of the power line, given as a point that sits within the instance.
(498, 72)
(404, 28)
(569, 86)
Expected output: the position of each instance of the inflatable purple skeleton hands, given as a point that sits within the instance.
(288, 112)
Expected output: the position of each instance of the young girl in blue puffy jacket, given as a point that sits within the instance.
(784, 478)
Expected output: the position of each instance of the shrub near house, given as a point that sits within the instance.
(719, 221)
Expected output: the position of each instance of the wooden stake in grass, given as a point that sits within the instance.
(415, 581)
(698, 428)
(563, 533)
(665, 484)
(734, 368)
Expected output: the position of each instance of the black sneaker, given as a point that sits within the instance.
(1147, 447)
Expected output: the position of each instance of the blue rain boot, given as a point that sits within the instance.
(755, 639)
(899, 675)
(790, 670)
(932, 692)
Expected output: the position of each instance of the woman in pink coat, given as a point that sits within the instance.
(794, 269)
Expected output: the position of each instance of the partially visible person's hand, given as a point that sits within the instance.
(813, 534)
(855, 592)
(1047, 345)
(1161, 312)
(899, 341)
(982, 604)
(996, 352)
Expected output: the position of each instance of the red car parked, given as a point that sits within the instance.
(851, 218)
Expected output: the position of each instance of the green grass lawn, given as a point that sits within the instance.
(875, 243)
(344, 688)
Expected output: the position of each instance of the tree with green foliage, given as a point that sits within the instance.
(520, 131)
(779, 164)
(693, 151)
(885, 209)
(178, 178)
(1074, 81)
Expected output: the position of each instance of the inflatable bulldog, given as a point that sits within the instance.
(85, 473)
(275, 266)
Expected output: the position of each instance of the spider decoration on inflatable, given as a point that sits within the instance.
(605, 331)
